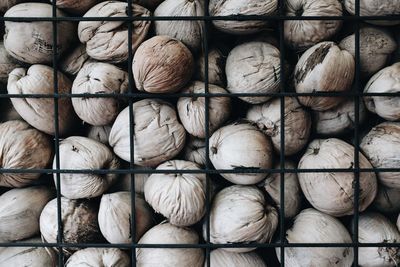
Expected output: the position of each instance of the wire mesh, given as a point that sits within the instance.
(131, 96)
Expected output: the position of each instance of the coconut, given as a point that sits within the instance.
(222, 258)
(74, 60)
(99, 133)
(75, 6)
(375, 8)
(106, 257)
(195, 151)
(216, 67)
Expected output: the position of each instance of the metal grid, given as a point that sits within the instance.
(356, 93)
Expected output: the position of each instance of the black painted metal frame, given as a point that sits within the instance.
(355, 93)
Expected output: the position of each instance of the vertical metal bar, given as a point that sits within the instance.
(356, 132)
(56, 137)
(131, 136)
(282, 127)
(207, 141)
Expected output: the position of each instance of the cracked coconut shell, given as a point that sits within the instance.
(107, 40)
(302, 34)
(189, 32)
(78, 220)
(180, 197)
(155, 126)
(81, 153)
(381, 146)
(162, 65)
(375, 8)
(244, 7)
(192, 112)
(253, 67)
(384, 81)
(115, 215)
(240, 214)
(339, 119)
(312, 226)
(375, 228)
(333, 192)
(323, 68)
(165, 233)
(297, 123)
(99, 78)
(32, 41)
(20, 211)
(34, 256)
(39, 112)
(241, 145)
(376, 47)
(105, 257)
(22, 147)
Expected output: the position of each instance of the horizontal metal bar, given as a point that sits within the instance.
(209, 171)
(206, 18)
(176, 95)
(176, 246)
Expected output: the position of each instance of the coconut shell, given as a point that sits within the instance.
(81, 153)
(323, 68)
(189, 32)
(333, 192)
(241, 145)
(78, 220)
(99, 78)
(39, 112)
(381, 146)
(192, 112)
(166, 233)
(22, 147)
(115, 217)
(32, 41)
(297, 123)
(107, 40)
(155, 126)
(302, 34)
(106, 257)
(179, 197)
(253, 67)
(247, 7)
(240, 214)
(162, 65)
(20, 212)
(384, 81)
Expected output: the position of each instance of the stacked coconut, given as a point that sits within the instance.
(101, 136)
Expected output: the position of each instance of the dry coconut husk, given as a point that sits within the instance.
(302, 34)
(105, 257)
(376, 46)
(32, 41)
(192, 112)
(99, 133)
(333, 192)
(247, 7)
(241, 145)
(115, 216)
(253, 67)
(166, 233)
(74, 60)
(78, 7)
(78, 220)
(20, 211)
(312, 226)
(107, 40)
(99, 78)
(22, 147)
(189, 32)
(221, 258)
(39, 112)
(34, 256)
(7, 64)
(384, 81)
(155, 126)
(381, 146)
(162, 65)
(216, 66)
(179, 197)
(323, 68)
(240, 214)
(195, 151)
(375, 8)
(297, 123)
(81, 153)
